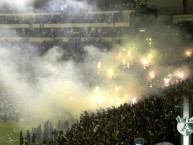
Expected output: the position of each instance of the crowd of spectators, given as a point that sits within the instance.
(46, 134)
(118, 6)
(73, 49)
(89, 32)
(86, 35)
(95, 4)
(106, 5)
(152, 118)
(60, 18)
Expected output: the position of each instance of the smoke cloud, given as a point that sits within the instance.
(72, 5)
(18, 5)
(46, 86)
(45, 5)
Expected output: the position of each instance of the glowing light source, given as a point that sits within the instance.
(99, 100)
(110, 73)
(128, 65)
(180, 75)
(117, 89)
(99, 64)
(129, 54)
(148, 39)
(166, 81)
(96, 89)
(119, 55)
(99, 67)
(124, 61)
(150, 56)
(188, 53)
(152, 75)
(126, 96)
(145, 63)
(142, 30)
(133, 100)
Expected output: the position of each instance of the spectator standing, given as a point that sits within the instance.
(21, 139)
(33, 138)
(25, 141)
(28, 137)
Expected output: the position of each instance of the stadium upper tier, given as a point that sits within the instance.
(46, 26)
(60, 18)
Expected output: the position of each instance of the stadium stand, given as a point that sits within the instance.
(151, 118)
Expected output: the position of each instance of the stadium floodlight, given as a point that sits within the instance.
(142, 30)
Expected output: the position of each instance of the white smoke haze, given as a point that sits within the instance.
(10, 75)
(72, 5)
(48, 86)
(48, 5)
(19, 5)
(55, 82)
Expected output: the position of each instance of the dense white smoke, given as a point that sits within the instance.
(45, 86)
(19, 5)
(48, 5)
(66, 5)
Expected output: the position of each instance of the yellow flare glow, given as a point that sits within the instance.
(148, 39)
(152, 74)
(126, 96)
(96, 89)
(124, 61)
(119, 55)
(145, 62)
(72, 98)
(166, 81)
(180, 75)
(133, 100)
(129, 54)
(188, 53)
(110, 73)
(117, 89)
(99, 65)
(128, 65)
(150, 56)
(142, 30)
(99, 100)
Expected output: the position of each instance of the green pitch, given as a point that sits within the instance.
(9, 131)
